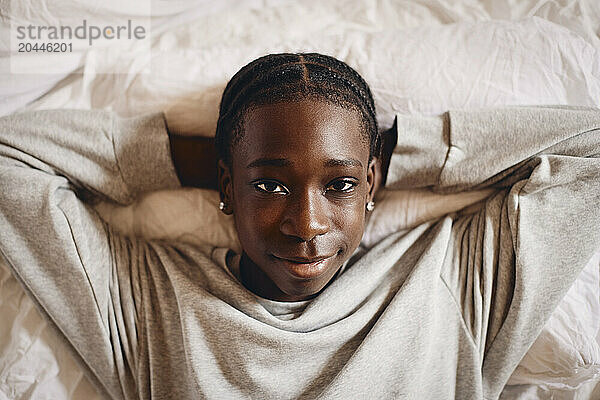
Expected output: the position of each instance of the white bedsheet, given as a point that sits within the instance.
(418, 56)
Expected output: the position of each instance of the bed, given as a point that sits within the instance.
(419, 57)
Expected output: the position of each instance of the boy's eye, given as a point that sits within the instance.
(342, 186)
(271, 187)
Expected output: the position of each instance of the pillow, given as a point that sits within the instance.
(418, 71)
(425, 70)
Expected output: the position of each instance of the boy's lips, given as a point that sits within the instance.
(302, 260)
(304, 268)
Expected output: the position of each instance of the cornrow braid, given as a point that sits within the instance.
(284, 77)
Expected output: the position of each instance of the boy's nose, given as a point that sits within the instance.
(305, 217)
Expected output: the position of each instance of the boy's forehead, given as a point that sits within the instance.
(311, 111)
(305, 126)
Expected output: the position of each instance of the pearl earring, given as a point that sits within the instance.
(370, 206)
(221, 206)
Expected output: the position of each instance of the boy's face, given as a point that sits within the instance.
(299, 182)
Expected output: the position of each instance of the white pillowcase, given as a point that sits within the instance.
(414, 71)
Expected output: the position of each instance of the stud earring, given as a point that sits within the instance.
(370, 206)
(221, 206)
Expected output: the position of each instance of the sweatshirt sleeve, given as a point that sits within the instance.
(468, 150)
(54, 241)
(511, 259)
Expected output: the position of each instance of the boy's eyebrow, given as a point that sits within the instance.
(343, 162)
(269, 162)
(284, 162)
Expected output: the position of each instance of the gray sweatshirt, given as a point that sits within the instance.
(445, 310)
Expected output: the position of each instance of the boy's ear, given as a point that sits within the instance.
(225, 186)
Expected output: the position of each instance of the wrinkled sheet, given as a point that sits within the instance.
(418, 56)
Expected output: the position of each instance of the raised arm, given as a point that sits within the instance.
(57, 246)
(97, 152)
(509, 262)
(464, 150)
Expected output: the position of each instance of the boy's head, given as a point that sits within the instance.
(296, 138)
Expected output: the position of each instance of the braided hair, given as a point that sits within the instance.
(284, 77)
